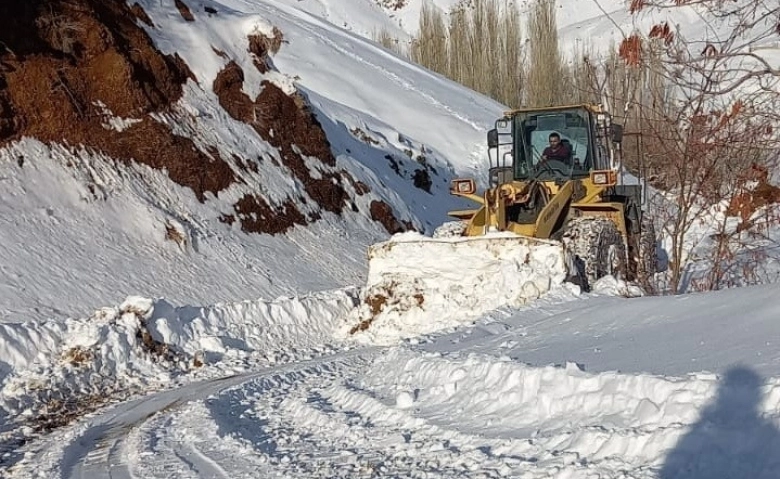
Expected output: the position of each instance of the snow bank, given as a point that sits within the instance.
(21, 343)
(96, 357)
(610, 286)
(597, 419)
(417, 285)
(146, 343)
(271, 329)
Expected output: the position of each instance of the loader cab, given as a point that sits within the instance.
(519, 140)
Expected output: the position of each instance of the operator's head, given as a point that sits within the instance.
(555, 139)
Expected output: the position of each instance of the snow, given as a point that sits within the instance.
(113, 122)
(42, 358)
(126, 215)
(549, 405)
(417, 285)
(747, 256)
(611, 286)
(658, 335)
(76, 238)
(231, 355)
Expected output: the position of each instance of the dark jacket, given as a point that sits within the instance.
(563, 153)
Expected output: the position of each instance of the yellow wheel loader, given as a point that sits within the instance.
(573, 193)
(557, 208)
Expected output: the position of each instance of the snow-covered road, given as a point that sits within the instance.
(567, 387)
(403, 412)
(162, 435)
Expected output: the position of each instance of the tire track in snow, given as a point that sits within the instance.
(293, 426)
(99, 449)
(185, 445)
(326, 425)
(151, 452)
(318, 422)
(338, 416)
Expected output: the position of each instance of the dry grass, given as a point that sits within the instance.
(384, 38)
(78, 356)
(378, 302)
(363, 136)
(172, 233)
(383, 213)
(198, 360)
(58, 412)
(184, 10)
(262, 47)
(61, 31)
(392, 4)
(152, 346)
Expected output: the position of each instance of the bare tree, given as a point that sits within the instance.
(708, 119)
(430, 47)
(387, 40)
(480, 48)
(459, 45)
(740, 36)
(699, 155)
(510, 70)
(546, 78)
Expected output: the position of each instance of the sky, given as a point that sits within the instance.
(237, 355)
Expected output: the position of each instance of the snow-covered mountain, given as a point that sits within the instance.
(213, 154)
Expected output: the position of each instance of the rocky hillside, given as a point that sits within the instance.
(86, 73)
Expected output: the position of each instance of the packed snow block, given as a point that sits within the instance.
(417, 284)
(274, 328)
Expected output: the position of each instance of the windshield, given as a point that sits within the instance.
(552, 145)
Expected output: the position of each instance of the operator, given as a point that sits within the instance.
(557, 150)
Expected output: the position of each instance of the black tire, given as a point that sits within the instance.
(597, 249)
(643, 254)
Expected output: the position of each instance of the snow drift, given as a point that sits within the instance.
(147, 344)
(561, 421)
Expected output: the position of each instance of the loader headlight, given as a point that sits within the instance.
(463, 187)
(603, 177)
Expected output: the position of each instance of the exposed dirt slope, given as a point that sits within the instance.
(67, 67)
(67, 64)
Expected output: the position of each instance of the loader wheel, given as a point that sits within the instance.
(597, 248)
(643, 255)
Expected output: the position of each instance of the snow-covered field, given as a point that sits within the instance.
(238, 356)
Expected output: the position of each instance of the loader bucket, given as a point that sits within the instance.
(417, 284)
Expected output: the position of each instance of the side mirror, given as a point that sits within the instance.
(617, 133)
(492, 138)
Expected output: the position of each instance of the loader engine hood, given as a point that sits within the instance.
(418, 285)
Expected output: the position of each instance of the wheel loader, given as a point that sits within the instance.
(576, 197)
(545, 218)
